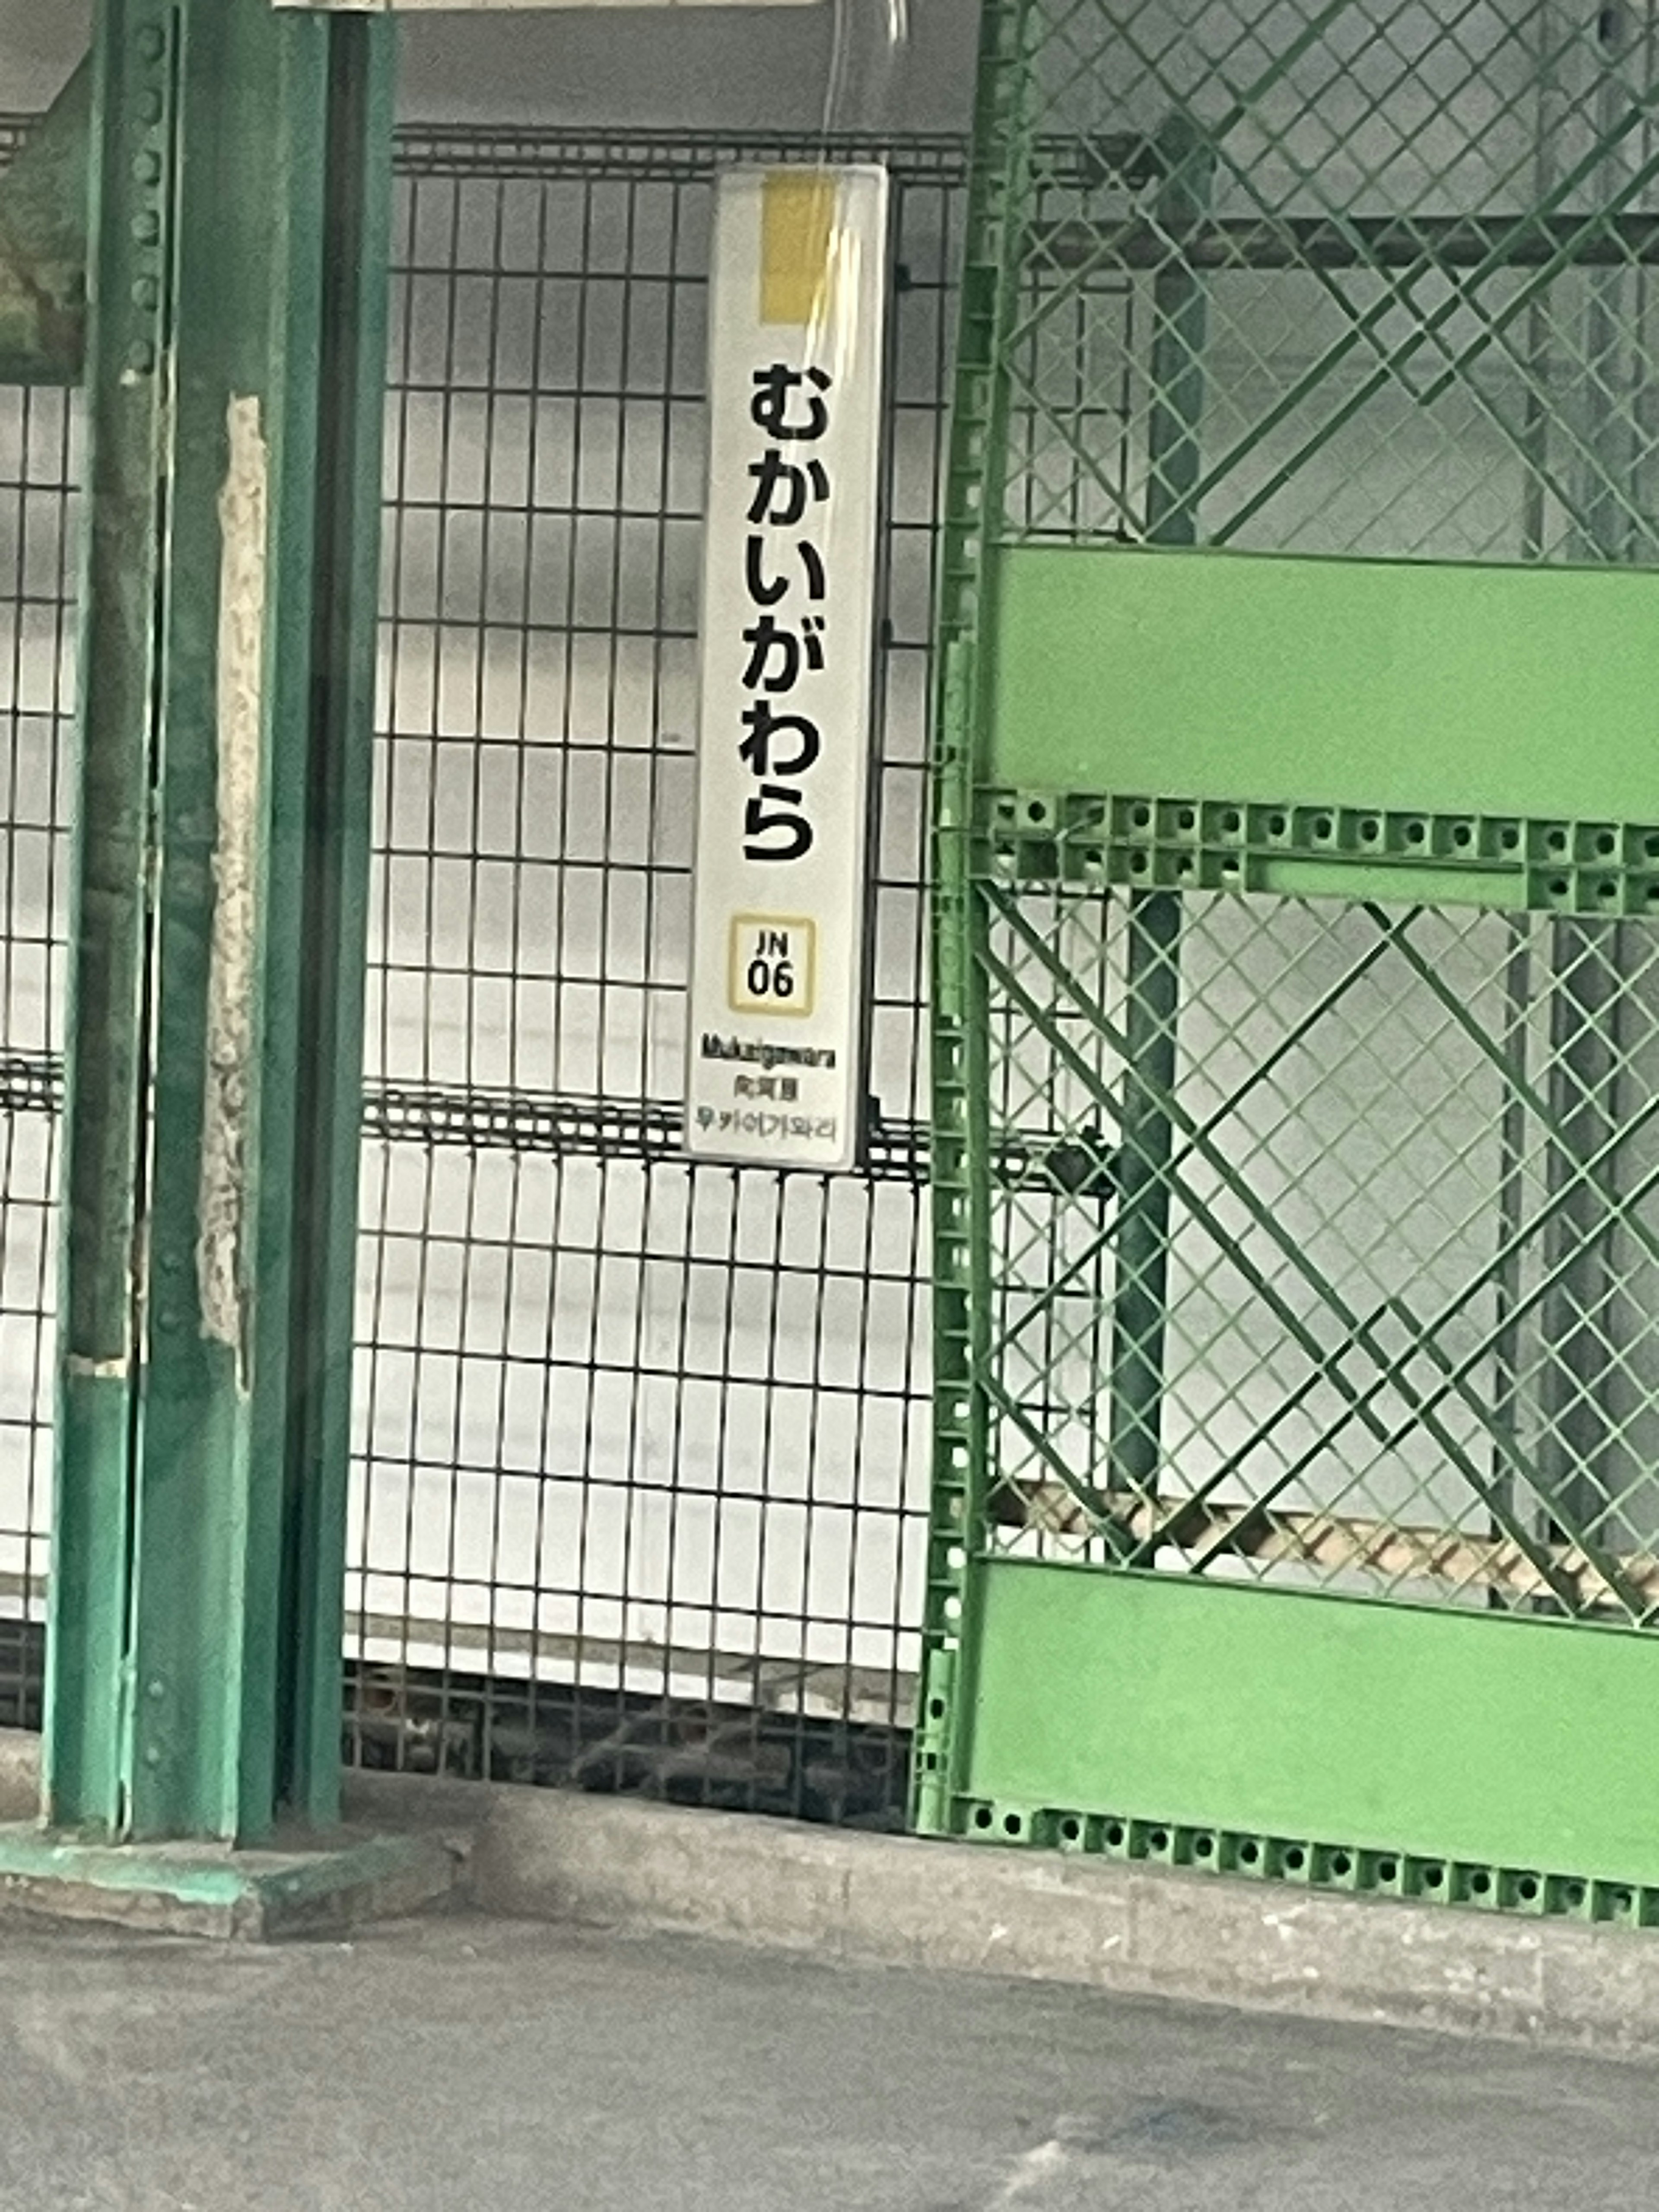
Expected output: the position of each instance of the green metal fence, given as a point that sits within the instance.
(1296, 1182)
(1295, 1141)
(640, 1479)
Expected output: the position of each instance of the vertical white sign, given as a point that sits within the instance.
(797, 314)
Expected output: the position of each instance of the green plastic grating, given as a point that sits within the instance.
(1510, 862)
(1296, 1140)
(1338, 1866)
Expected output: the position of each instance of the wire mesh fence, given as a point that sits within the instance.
(38, 469)
(1320, 1229)
(1394, 266)
(1409, 1347)
(640, 1479)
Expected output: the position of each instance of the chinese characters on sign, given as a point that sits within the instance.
(777, 1019)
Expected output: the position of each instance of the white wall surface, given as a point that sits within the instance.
(40, 42)
(759, 69)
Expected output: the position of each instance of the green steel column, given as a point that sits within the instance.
(1582, 1323)
(1591, 1328)
(1153, 955)
(961, 1073)
(235, 343)
(332, 840)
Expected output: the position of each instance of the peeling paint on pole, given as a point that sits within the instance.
(98, 1371)
(228, 1105)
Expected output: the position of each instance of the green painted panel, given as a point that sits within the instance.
(1460, 1734)
(86, 1702)
(1365, 684)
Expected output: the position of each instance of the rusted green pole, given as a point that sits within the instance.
(238, 194)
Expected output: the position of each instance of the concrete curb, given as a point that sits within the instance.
(316, 1888)
(309, 1886)
(638, 1867)
(890, 1901)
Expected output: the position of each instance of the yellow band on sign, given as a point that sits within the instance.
(797, 232)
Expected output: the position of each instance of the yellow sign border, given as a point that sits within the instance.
(809, 998)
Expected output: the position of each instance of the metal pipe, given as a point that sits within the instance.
(1261, 243)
